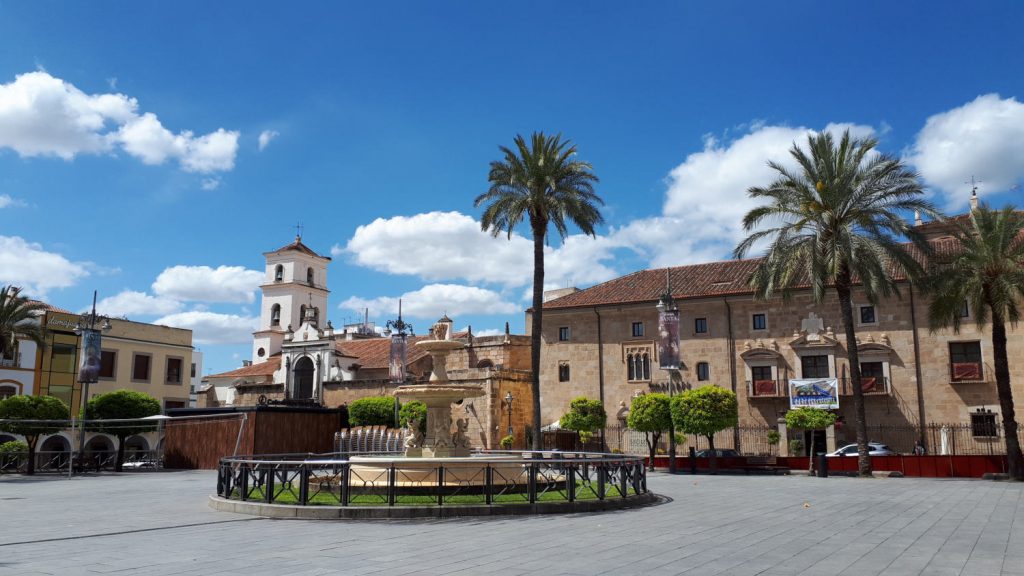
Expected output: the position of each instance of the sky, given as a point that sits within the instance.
(153, 151)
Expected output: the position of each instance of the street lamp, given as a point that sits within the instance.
(668, 313)
(508, 404)
(89, 369)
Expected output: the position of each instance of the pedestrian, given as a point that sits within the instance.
(919, 448)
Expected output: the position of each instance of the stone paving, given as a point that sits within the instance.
(159, 523)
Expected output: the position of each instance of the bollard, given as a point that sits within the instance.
(693, 460)
(822, 465)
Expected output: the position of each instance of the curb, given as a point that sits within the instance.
(405, 512)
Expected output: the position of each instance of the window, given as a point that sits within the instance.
(171, 404)
(140, 367)
(193, 371)
(261, 352)
(638, 329)
(965, 361)
(173, 371)
(108, 363)
(275, 315)
(638, 366)
(760, 322)
(761, 373)
(278, 273)
(814, 367)
(7, 391)
(983, 424)
(563, 372)
(703, 371)
(302, 314)
(700, 325)
(965, 310)
(867, 315)
(309, 276)
(563, 334)
(63, 392)
(62, 358)
(872, 376)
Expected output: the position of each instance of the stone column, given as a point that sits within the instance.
(830, 439)
(783, 437)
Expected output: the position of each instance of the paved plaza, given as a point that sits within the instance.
(159, 523)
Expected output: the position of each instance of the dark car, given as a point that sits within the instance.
(719, 453)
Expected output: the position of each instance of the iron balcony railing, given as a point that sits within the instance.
(869, 385)
(767, 388)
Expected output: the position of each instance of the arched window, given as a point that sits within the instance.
(630, 368)
(316, 316)
(6, 391)
(275, 315)
(638, 366)
(302, 314)
(309, 276)
(279, 273)
(645, 366)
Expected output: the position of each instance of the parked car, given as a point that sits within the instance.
(719, 453)
(874, 449)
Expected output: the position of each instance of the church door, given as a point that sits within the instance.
(303, 379)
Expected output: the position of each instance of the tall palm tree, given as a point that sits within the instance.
(986, 270)
(836, 221)
(539, 181)
(18, 320)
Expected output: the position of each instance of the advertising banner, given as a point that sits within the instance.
(89, 368)
(668, 340)
(396, 358)
(814, 393)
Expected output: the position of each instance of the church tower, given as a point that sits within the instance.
(296, 279)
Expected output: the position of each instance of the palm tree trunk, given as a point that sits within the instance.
(31, 466)
(860, 420)
(535, 328)
(1013, 453)
(119, 463)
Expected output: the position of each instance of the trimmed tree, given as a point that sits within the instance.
(705, 411)
(811, 419)
(372, 411)
(585, 416)
(652, 415)
(986, 271)
(541, 182)
(28, 408)
(834, 221)
(121, 405)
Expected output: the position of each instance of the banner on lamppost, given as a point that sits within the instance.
(89, 368)
(668, 339)
(396, 358)
(817, 393)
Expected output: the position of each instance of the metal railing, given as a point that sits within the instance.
(97, 460)
(488, 478)
(869, 385)
(767, 388)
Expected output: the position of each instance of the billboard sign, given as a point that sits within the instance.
(814, 393)
(668, 340)
(396, 359)
(89, 368)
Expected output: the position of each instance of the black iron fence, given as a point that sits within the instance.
(488, 478)
(97, 460)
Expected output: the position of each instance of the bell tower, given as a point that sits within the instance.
(295, 280)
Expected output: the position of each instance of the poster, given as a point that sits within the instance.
(814, 393)
(396, 359)
(89, 369)
(668, 340)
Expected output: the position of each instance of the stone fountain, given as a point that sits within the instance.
(438, 394)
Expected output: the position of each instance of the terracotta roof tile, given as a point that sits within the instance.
(298, 246)
(373, 353)
(262, 369)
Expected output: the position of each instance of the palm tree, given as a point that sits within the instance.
(18, 320)
(539, 181)
(836, 221)
(986, 270)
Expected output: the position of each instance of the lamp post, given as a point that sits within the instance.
(89, 369)
(668, 313)
(508, 404)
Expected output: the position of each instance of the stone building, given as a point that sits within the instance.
(601, 342)
(300, 358)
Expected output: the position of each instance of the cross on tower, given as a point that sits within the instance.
(298, 230)
(974, 185)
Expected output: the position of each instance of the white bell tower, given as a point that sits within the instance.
(296, 279)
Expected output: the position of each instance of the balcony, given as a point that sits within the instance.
(767, 389)
(8, 363)
(966, 372)
(870, 385)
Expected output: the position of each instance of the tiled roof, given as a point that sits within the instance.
(51, 307)
(298, 246)
(262, 369)
(373, 352)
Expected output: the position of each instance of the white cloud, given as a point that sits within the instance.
(130, 303)
(266, 136)
(234, 284)
(210, 183)
(984, 138)
(41, 115)
(28, 265)
(486, 332)
(450, 245)
(7, 201)
(212, 327)
(433, 300)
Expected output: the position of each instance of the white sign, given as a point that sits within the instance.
(814, 393)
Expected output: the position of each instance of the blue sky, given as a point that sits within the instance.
(132, 163)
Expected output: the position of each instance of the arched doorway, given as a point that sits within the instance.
(303, 378)
(53, 453)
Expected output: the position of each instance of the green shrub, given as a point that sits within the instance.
(12, 447)
(796, 447)
(773, 437)
(372, 411)
(413, 410)
(810, 419)
(506, 442)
